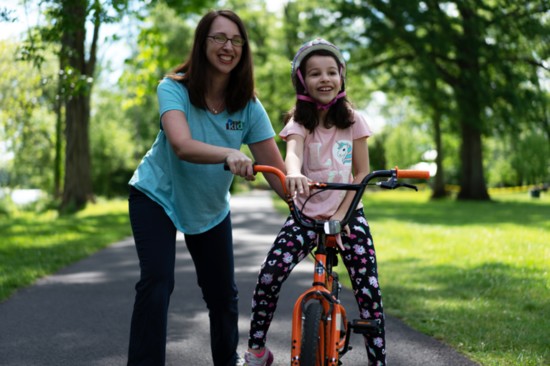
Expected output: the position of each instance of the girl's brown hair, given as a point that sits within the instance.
(305, 113)
(240, 88)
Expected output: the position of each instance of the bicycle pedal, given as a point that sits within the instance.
(365, 326)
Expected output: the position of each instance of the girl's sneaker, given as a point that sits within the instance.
(265, 359)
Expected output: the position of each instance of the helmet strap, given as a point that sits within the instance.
(301, 78)
(307, 98)
(324, 107)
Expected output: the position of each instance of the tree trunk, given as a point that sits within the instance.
(439, 181)
(468, 91)
(58, 139)
(472, 180)
(78, 183)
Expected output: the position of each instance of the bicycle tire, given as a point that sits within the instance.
(311, 325)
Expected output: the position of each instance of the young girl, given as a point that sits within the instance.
(326, 142)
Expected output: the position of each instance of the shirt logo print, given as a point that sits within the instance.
(342, 151)
(231, 125)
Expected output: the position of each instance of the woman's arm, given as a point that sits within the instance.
(177, 131)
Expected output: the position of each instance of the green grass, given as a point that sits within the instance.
(34, 245)
(472, 274)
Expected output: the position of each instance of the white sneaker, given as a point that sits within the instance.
(250, 359)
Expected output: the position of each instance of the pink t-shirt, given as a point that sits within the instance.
(327, 158)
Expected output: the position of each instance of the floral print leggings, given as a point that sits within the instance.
(291, 246)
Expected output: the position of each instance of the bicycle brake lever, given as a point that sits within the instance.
(392, 183)
(388, 184)
(408, 186)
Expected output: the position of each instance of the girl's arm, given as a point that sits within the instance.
(295, 180)
(177, 131)
(361, 167)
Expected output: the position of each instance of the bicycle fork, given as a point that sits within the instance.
(332, 339)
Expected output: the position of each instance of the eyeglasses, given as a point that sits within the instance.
(222, 38)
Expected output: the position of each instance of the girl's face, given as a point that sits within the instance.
(223, 57)
(322, 78)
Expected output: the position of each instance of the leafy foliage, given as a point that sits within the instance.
(162, 44)
(112, 146)
(26, 125)
(406, 50)
(487, 56)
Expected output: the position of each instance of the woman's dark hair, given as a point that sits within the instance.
(240, 88)
(305, 113)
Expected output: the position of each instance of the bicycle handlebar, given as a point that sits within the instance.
(359, 188)
(415, 174)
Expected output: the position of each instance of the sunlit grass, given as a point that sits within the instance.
(473, 274)
(36, 244)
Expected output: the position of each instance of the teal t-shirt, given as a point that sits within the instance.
(196, 196)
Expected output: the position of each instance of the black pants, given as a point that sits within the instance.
(293, 243)
(212, 254)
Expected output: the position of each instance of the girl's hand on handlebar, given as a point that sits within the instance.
(240, 165)
(297, 183)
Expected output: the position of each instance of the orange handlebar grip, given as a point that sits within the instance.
(270, 169)
(417, 174)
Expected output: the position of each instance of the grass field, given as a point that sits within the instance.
(475, 275)
(33, 245)
(472, 274)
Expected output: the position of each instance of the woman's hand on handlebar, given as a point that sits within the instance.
(240, 165)
(297, 183)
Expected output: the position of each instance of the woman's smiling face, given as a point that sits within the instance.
(223, 57)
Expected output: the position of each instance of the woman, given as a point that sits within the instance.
(208, 109)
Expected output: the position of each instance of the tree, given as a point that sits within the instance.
(80, 69)
(66, 29)
(478, 50)
(531, 158)
(405, 136)
(162, 44)
(67, 24)
(271, 60)
(26, 124)
(112, 144)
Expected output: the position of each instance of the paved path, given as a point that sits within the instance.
(80, 316)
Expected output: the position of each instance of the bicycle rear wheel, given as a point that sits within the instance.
(311, 351)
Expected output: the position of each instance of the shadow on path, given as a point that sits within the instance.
(80, 316)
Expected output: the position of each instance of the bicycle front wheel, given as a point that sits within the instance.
(311, 353)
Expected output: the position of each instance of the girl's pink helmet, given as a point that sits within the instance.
(311, 46)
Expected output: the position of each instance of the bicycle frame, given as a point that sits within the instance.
(334, 329)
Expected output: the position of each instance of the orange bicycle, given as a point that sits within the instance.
(320, 328)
